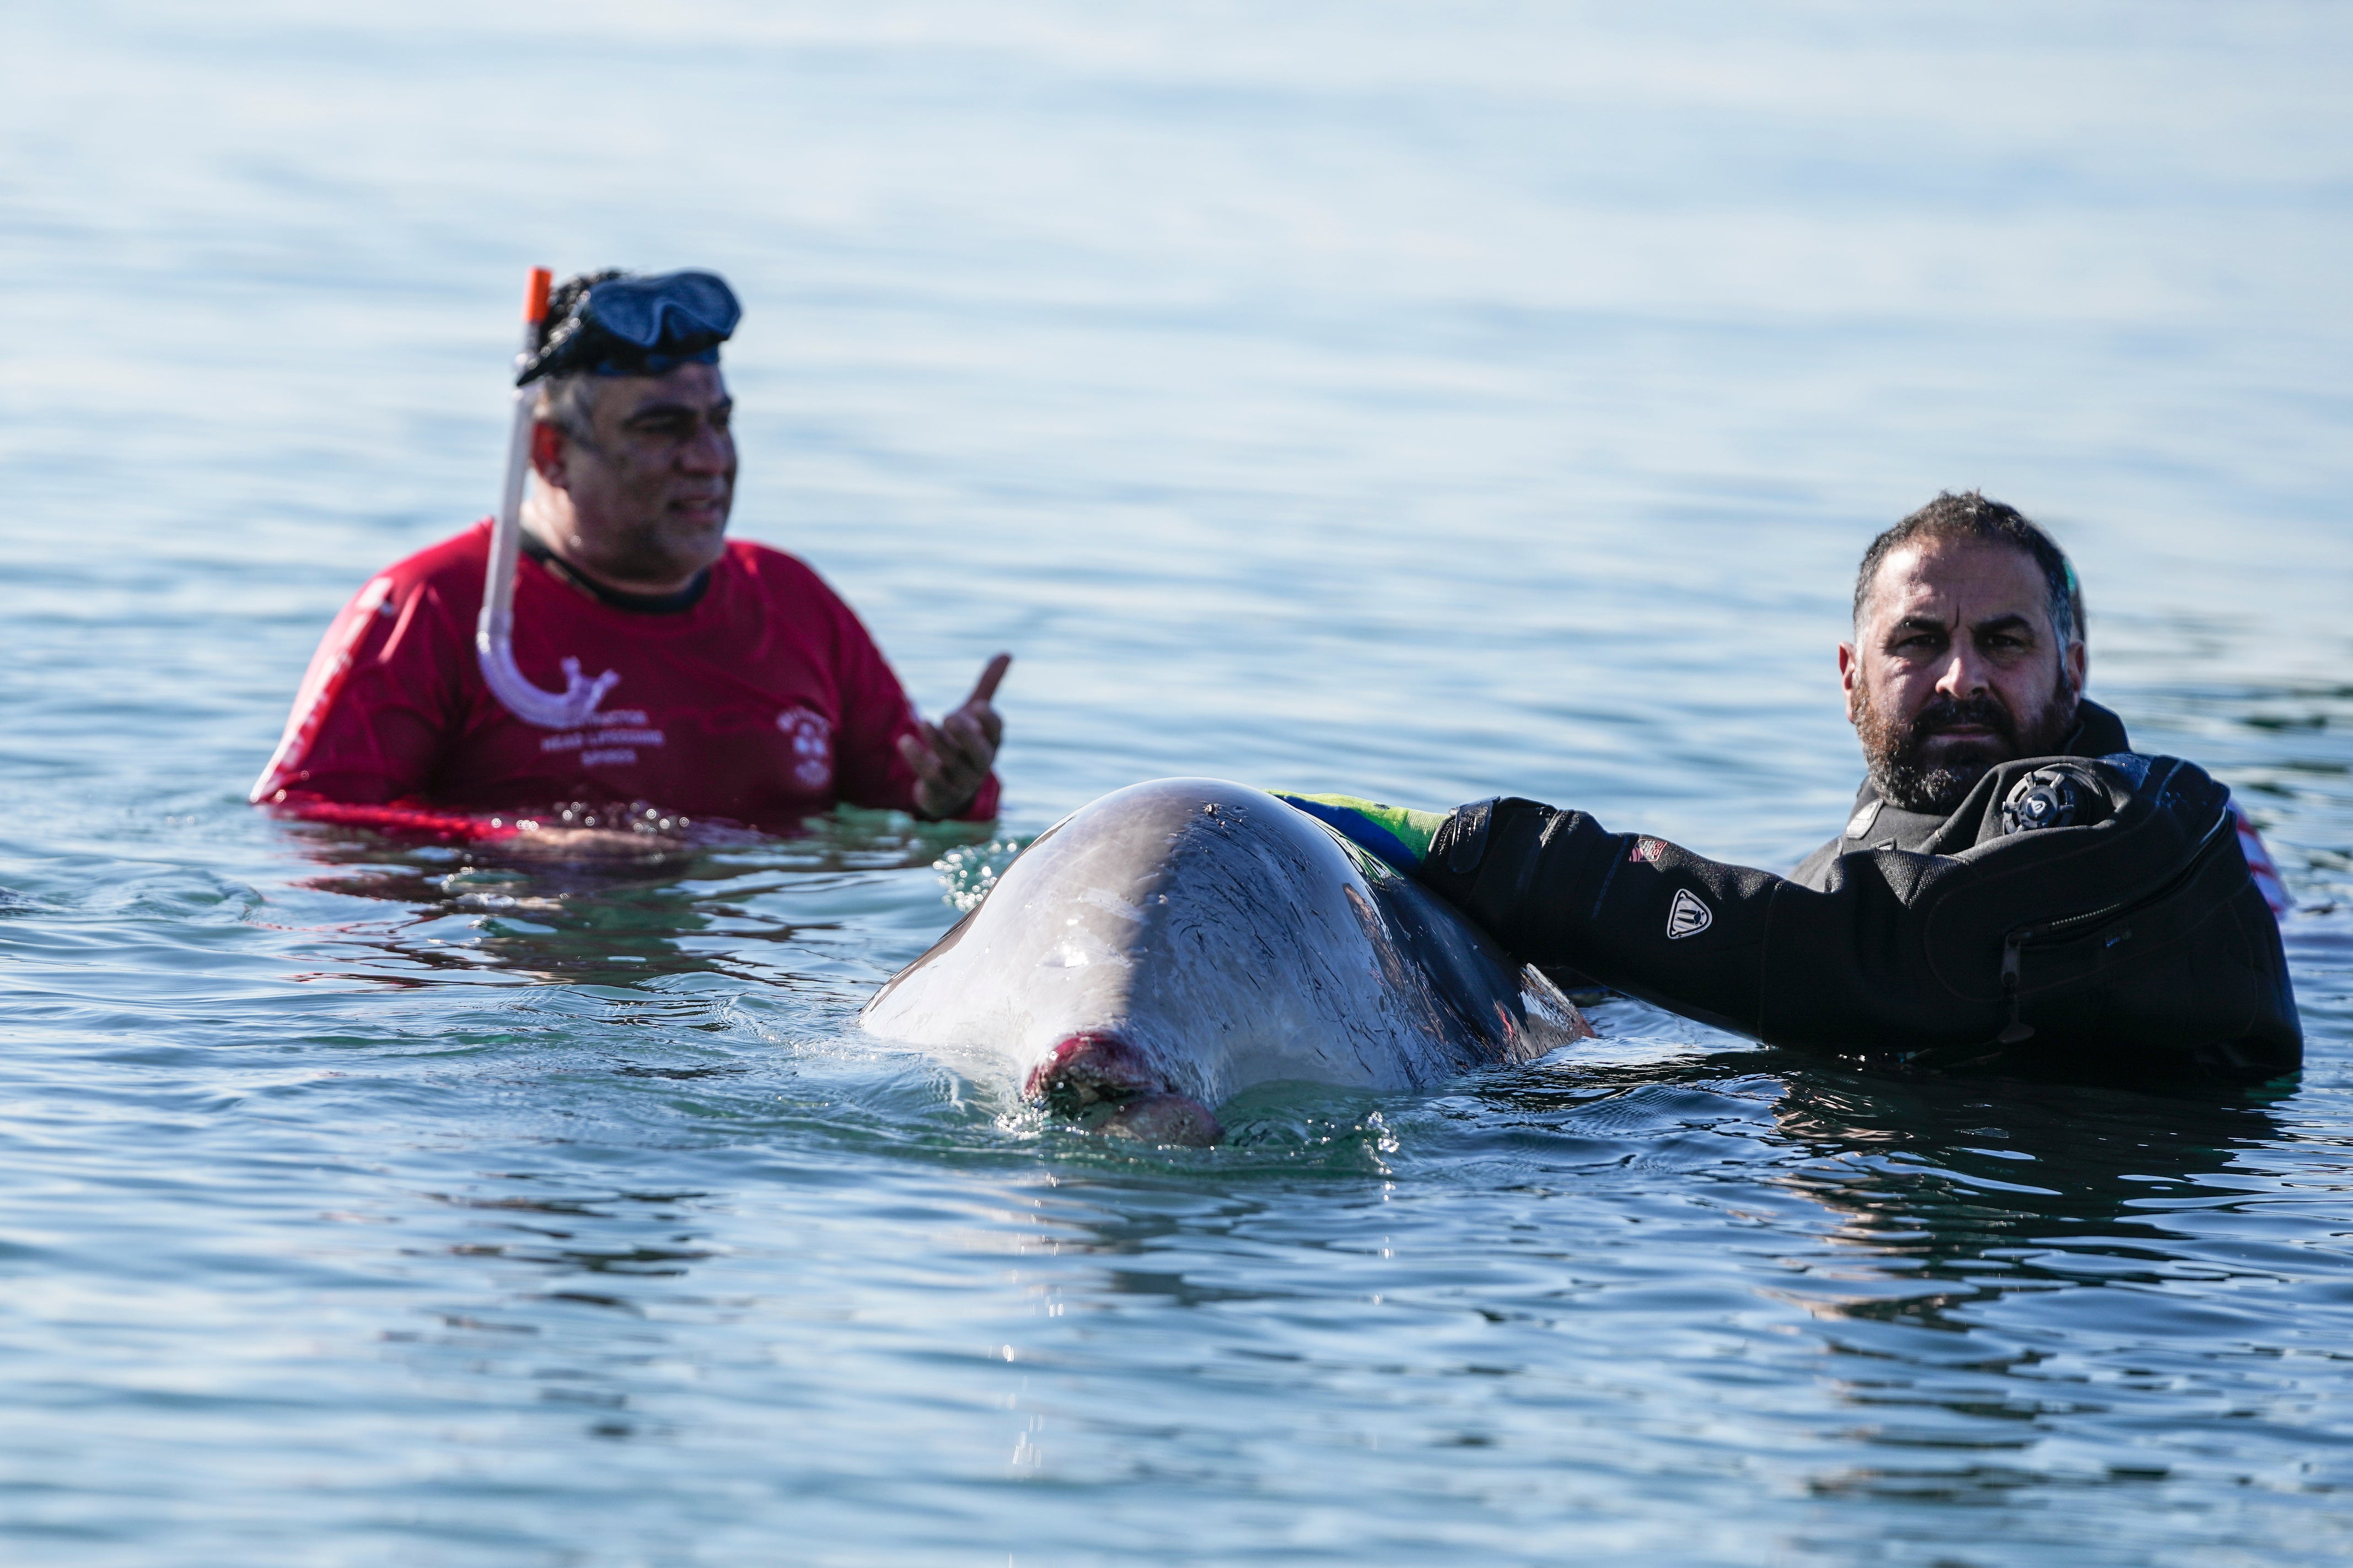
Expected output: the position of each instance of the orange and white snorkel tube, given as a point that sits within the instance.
(576, 705)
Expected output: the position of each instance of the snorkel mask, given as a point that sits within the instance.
(621, 325)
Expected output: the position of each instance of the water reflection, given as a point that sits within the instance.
(669, 908)
(1991, 1236)
(1964, 1188)
(1945, 1168)
(2005, 1279)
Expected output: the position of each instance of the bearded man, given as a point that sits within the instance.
(2016, 889)
(1968, 651)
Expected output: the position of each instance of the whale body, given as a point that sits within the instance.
(1175, 942)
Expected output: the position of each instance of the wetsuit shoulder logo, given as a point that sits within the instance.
(1864, 816)
(1688, 915)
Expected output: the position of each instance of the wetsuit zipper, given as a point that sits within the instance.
(2015, 941)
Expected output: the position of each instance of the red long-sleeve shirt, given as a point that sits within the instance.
(763, 703)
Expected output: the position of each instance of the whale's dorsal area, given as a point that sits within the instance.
(1175, 942)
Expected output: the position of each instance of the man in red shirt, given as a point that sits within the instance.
(738, 687)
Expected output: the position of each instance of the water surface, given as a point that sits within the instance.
(1424, 402)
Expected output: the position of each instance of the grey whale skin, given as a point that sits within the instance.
(1174, 943)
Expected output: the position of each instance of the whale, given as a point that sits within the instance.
(1173, 943)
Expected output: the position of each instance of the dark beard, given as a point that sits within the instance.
(1904, 780)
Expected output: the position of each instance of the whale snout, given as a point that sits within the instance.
(1093, 1068)
(1089, 1067)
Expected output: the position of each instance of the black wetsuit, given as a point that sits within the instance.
(2133, 945)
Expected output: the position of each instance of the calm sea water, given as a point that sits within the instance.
(1427, 401)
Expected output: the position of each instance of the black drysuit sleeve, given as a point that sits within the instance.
(1710, 941)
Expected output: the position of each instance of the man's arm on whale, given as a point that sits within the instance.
(1935, 919)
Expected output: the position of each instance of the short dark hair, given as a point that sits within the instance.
(567, 400)
(1970, 515)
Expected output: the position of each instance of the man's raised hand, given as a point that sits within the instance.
(952, 758)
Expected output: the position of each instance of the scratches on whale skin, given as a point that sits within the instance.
(1376, 937)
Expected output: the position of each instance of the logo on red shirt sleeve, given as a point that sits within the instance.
(811, 735)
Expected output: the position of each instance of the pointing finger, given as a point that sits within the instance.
(985, 689)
